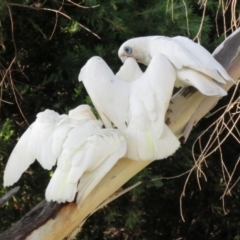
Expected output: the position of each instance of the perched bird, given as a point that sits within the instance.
(194, 65)
(136, 107)
(84, 152)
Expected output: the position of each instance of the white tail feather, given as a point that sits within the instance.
(90, 180)
(145, 145)
(59, 189)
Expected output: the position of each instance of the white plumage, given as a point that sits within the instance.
(130, 71)
(77, 142)
(136, 107)
(194, 65)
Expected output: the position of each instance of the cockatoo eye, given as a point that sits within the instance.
(128, 50)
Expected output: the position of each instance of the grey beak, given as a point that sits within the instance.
(123, 58)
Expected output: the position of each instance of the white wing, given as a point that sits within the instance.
(129, 71)
(60, 134)
(77, 141)
(149, 100)
(200, 81)
(110, 146)
(183, 52)
(209, 65)
(19, 160)
(67, 126)
(96, 149)
(108, 94)
(60, 189)
(41, 138)
(35, 143)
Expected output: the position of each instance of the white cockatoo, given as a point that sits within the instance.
(194, 65)
(84, 152)
(136, 107)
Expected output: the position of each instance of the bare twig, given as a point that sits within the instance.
(55, 11)
(81, 6)
(8, 195)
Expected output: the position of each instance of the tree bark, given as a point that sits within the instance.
(187, 107)
(40, 214)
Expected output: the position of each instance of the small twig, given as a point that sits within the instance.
(186, 13)
(55, 26)
(198, 35)
(55, 11)
(8, 195)
(173, 177)
(227, 189)
(8, 72)
(81, 6)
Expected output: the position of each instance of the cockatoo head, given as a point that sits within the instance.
(137, 48)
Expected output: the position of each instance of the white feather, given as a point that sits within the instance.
(90, 179)
(200, 81)
(89, 157)
(19, 160)
(31, 146)
(41, 137)
(99, 88)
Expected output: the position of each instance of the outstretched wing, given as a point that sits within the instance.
(35, 143)
(97, 147)
(108, 94)
(43, 141)
(40, 143)
(19, 159)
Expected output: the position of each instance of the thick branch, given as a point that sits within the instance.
(40, 214)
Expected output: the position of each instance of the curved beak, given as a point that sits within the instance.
(123, 58)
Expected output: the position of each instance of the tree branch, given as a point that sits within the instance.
(8, 195)
(40, 214)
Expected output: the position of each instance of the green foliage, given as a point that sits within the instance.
(39, 65)
(6, 132)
